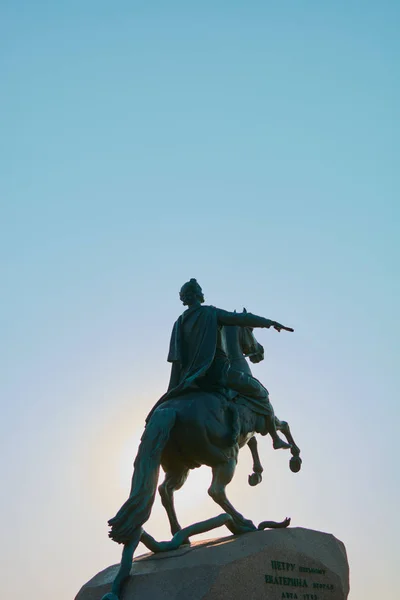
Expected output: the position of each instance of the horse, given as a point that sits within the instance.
(197, 428)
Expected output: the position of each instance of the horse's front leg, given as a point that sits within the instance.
(222, 475)
(256, 477)
(283, 426)
(174, 480)
(295, 461)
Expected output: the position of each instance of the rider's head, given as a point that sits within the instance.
(191, 293)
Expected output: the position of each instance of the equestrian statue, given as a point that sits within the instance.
(212, 408)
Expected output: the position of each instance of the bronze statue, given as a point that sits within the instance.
(213, 407)
(198, 353)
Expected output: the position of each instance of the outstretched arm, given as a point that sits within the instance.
(246, 319)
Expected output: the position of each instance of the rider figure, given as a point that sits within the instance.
(199, 359)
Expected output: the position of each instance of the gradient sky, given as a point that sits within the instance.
(252, 145)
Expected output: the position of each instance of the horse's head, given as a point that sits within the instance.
(249, 345)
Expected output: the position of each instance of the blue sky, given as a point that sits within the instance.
(253, 146)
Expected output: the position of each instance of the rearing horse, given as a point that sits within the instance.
(194, 429)
(240, 343)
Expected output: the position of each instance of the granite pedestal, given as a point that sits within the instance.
(293, 563)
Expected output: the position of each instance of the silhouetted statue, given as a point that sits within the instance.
(213, 407)
(199, 355)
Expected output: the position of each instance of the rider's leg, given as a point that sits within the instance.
(250, 386)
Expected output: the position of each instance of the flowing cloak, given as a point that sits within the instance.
(191, 361)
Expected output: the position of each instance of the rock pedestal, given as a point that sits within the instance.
(293, 563)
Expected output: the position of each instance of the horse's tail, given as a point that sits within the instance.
(135, 512)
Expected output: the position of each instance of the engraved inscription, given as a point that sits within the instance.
(290, 579)
(293, 581)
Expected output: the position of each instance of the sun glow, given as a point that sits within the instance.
(192, 494)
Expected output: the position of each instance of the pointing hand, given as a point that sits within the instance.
(279, 327)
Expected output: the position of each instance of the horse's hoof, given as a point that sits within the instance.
(246, 526)
(255, 479)
(295, 464)
(238, 528)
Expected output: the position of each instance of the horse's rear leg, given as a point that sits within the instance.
(174, 480)
(222, 475)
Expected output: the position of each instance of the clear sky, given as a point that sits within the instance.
(252, 145)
